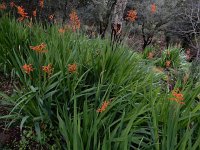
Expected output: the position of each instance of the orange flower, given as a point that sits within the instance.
(27, 68)
(41, 3)
(39, 48)
(3, 6)
(168, 63)
(150, 55)
(61, 30)
(51, 17)
(153, 8)
(22, 13)
(72, 68)
(34, 13)
(74, 20)
(48, 69)
(12, 4)
(177, 96)
(103, 106)
(131, 15)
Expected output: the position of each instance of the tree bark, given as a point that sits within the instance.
(119, 12)
(117, 19)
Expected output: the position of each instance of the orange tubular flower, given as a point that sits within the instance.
(177, 96)
(27, 68)
(34, 13)
(103, 106)
(74, 21)
(72, 68)
(22, 13)
(61, 30)
(153, 8)
(39, 48)
(3, 6)
(168, 63)
(131, 15)
(41, 3)
(12, 4)
(48, 69)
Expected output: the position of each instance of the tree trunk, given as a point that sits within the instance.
(147, 38)
(119, 12)
(117, 19)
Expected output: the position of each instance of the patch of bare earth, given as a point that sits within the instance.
(8, 136)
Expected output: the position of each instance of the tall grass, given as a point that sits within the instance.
(139, 114)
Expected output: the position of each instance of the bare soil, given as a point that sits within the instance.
(9, 137)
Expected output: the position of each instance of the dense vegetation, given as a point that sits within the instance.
(76, 92)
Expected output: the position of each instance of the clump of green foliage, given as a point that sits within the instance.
(63, 106)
